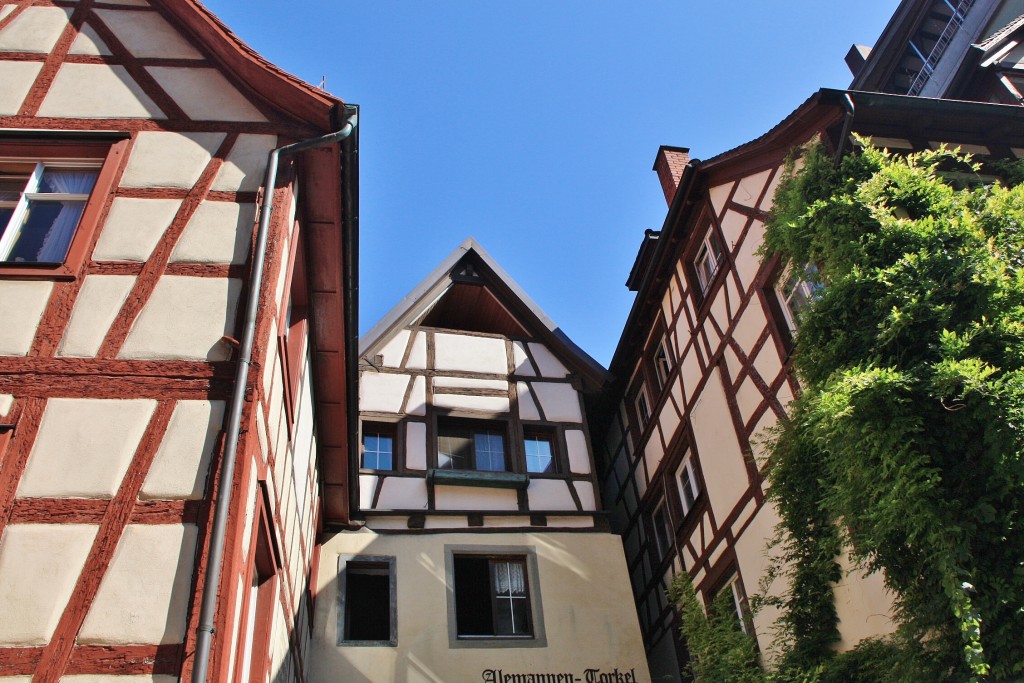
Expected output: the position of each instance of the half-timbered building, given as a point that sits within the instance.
(135, 142)
(480, 551)
(703, 367)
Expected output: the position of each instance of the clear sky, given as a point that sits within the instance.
(532, 126)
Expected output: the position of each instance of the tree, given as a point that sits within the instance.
(905, 446)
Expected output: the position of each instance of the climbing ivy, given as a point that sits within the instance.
(905, 446)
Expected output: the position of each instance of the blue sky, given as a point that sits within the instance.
(532, 125)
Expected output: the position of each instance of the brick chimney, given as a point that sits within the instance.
(669, 165)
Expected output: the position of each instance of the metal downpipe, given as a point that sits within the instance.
(204, 632)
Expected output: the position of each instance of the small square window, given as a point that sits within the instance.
(40, 207)
(708, 259)
(689, 485)
(368, 606)
(471, 445)
(492, 597)
(539, 447)
(378, 447)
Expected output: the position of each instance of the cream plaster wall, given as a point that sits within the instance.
(133, 228)
(39, 565)
(97, 91)
(863, 605)
(96, 307)
(144, 595)
(218, 232)
(112, 678)
(245, 164)
(17, 78)
(88, 42)
(182, 462)
(21, 308)
(560, 401)
(403, 493)
(550, 494)
(35, 30)
(720, 457)
(471, 498)
(205, 94)
(584, 592)
(147, 34)
(484, 404)
(163, 159)
(204, 307)
(382, 392)
(719, 194)
(84, 447)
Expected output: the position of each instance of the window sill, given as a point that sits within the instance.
(11, 270)
(492, 480)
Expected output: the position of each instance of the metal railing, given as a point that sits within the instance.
(950, 30)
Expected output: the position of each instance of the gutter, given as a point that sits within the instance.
(851, 110)
(205, 629)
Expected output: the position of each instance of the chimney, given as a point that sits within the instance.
(669, 165)
(856, 57)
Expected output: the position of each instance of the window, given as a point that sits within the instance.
(492, 598)
(367, 589)
(798, 287)
(539, 447)
(662, 364)
(40, 207)
(471, 445)
(689, 485)
(662, 531)
(709, 257)
(732, 584)
(643, 407)
(378, 447)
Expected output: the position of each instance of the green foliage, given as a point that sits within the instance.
(720, 652)
(906, 445)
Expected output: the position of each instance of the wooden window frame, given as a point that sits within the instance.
(551, 435)
(707, 243)
(110, 155)
(382, 428)
(662, 532)
(689, 466)
(473, 426)
(662, 351)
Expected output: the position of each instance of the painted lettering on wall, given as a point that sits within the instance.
(588, 676)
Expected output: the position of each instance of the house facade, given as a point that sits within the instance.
(703, 368)
(479, 550)
(158, 506)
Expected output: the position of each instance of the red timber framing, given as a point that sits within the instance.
(326, 178)
(711, 354)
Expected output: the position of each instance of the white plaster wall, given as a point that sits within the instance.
(720, 457)
(144, 595)
(550, 494)
(39, 565)
(21, 308)
(17, 78)
(767, 363)
(470, 498)
(559, 400)
(133, 228)
(37, 29)
(521, 360)
(470, 383)
(750, 188)
(472, 354)
(394, 350)
(418, 353)
(184, 319)
(162, 159)
(84, 447)
(97, 91)
(769, 196)
(96, 307)
(418, 397)
(182, 462)
(205, 94)
(381, 392)
(218, 232)
(548, 365)
(244, 167)
(416, 445)
(147, 34)
(403, 493)
(579, 454)
(303, 446)
(367, 486)
(527, 404)
(750, 326)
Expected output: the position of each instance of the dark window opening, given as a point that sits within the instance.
(471, 445)
(368, 606)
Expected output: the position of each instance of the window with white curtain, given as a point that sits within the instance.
(492, 597)
(41, 204)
